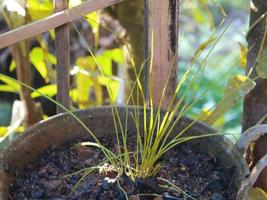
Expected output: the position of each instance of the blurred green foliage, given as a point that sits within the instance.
(197, 27)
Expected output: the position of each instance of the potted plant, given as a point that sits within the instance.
(122, 153)
(144, 163)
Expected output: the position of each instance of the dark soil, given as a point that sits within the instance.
(195, 173)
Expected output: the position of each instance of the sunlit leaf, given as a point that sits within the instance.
(39, 9)
(73, 3)
(205, 113)
(114, 54)
(204, 45)
(105, 64)
(94, 21)
(236, 88)
(49, 90)
(8, 88)
(114, 86)
(98, 92)
(12, 65)
(239, 84)
(52, 34)
(10, 83)
(3, 131)
(36, 55)
(243, 55)
(256, 194)
(52, 59)
(37, 59)
(261, 67)
(84, 82)
(199, 16)
(86, 63)
(74, 95)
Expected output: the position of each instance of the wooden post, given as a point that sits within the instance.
(63, 58)
(162, 21)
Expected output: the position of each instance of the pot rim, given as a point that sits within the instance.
(10, 148)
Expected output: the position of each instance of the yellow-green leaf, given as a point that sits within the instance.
(113, 85)
(86, 63)
(39, 9)
(257, 194)
(12, 65)
(49, 90)
(114, 54)
(52, 34)
(52, 59)
(10, 83)
(8, 88)
(204, 45)
(74, 95)
(3, 131)
(94, 21)
(243, 55)
(105, 64)
(84, 81)
(36, 55)
(37, 59)
(236, 88)
(239, 84)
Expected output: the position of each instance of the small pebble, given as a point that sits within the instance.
(105, 185)
(37, 192)
(134, 197)
(215, 186)
(217, 196)
(169, 197)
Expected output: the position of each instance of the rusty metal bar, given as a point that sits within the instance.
(162, 21)
(30, 30)
(63, 59)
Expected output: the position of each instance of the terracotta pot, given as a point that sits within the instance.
(62, 129)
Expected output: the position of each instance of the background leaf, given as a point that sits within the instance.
(257, 194)
(39, 9)
(49, 90)
(236, 88)
(37, 58)
(10, 83)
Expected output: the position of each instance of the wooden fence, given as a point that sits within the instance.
(161, 22)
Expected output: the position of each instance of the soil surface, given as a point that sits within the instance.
(197, 174)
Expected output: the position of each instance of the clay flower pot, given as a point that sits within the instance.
(62, 129)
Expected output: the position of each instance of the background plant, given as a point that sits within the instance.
(84, 72)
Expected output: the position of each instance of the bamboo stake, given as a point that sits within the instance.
(162, 21)
(30, 30)
(63, 59)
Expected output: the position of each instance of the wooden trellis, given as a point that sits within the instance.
(161, 19)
